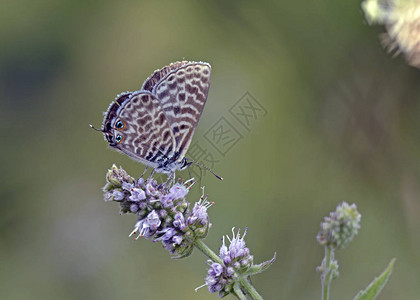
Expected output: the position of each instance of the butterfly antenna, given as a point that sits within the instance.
(91, 126)
(208, 169)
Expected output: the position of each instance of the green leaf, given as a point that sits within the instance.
(376, 286)
(255, 269)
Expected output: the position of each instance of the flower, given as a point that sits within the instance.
(178, 236)
(137, 195)
(178, 191)
(236, 260)
(175, 242)
(115, 177)
(115, 195)
(199, 214)
(198, 220)
(236, 265)
(213, 279)
(127, 186)
(152, 188)
(402, 20)
(147, 226)
(179, 222)
(163, 213)
(340, 227)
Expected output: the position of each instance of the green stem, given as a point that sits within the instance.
(249, 288)
(326, 273)
(207, 251)
(238, 292)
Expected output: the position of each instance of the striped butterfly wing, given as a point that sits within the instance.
(146, 134)
(182, 89)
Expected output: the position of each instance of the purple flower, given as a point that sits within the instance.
(115, 195)
(147, 227)
(236, 258)
(134, 208)
(215, 270)
(178, 191)
(140, 182)
(237, 245)
(177, 239)
(137, 195)
(171, 240)
(151, 188)
(168, 233)
(127, 186)
(217, 279)
(163, 214)
(179, 221)
(167, 200)
(224, 253)
(199, 212)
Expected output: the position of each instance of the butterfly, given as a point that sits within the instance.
(156, 124)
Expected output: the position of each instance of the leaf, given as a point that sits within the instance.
(376, 286)
(255, 269)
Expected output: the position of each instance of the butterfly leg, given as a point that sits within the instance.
(171, 180)
(202, 173)
(151, 175)
(144, 172)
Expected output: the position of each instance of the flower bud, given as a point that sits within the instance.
(116, 176)
(402, 21)
(340, 227)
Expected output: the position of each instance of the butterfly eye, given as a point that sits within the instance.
(119, 124)
(119, 139)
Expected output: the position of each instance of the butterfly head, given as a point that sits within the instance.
(112, 127)
(184, 164)
(113, 133)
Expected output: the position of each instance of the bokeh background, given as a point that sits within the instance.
(342, 124)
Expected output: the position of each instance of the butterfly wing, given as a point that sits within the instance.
(182, 89)
(146, 134)
(157, 75)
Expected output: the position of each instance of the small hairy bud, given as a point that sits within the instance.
(340, 227)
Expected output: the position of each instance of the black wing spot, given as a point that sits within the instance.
(141, 121)
(161, 119)
(145, 99)
(181, 96)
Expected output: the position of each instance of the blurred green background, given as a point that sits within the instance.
(343, 124)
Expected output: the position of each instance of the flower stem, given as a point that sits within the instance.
(238, 292)
(249, 288)
(326, 273)
(207, 251)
